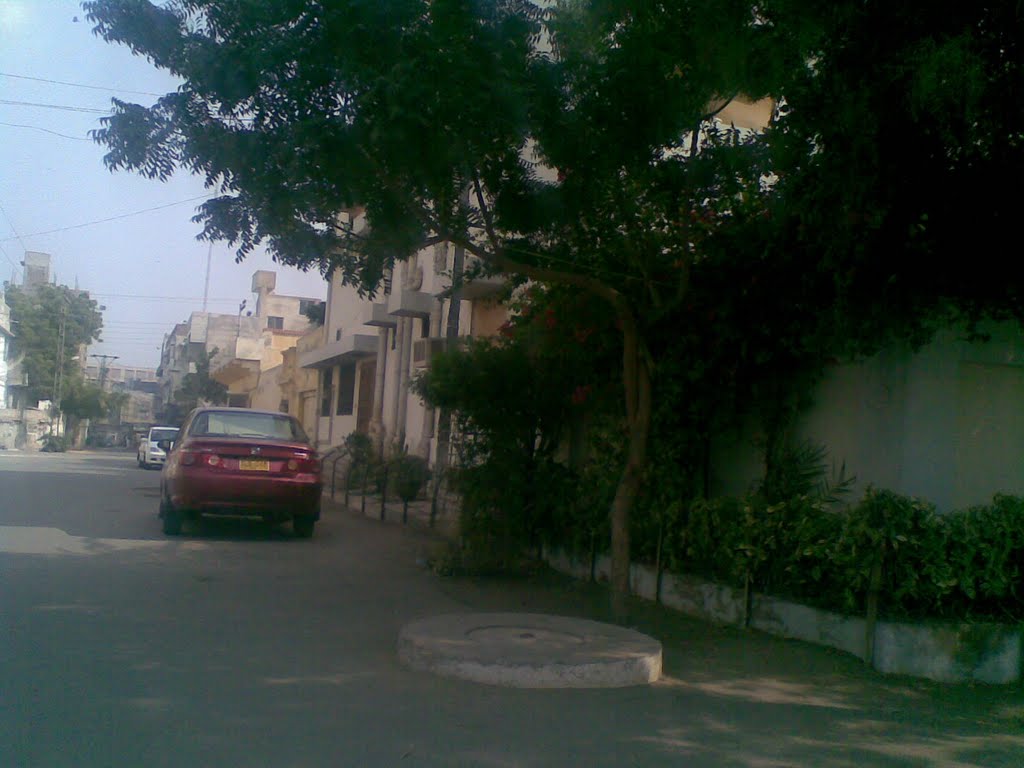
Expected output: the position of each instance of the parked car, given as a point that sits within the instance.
(150, 454)
(240, 461)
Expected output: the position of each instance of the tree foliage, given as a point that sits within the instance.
(897, 149)
(198, 386)
(84, 400)
(37, 314)
(574, 143)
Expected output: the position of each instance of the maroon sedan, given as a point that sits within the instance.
(238, 461)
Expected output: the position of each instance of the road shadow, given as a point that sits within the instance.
(730, 696)
(236, 529)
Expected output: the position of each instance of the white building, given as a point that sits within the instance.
(373, 348)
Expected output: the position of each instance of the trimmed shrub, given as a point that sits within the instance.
(964, 565)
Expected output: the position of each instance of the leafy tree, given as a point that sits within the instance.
(84, 400)
(115, 403)
(37, 315)
(433, 115)
(198, 386)
(897, 155)
(315, 312)
(574, 144)
(515, 398)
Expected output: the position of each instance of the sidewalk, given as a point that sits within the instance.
(727, 697)
(392, 510)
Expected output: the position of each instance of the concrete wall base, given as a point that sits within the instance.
(952, 653)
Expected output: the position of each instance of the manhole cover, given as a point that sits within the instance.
(531, 651)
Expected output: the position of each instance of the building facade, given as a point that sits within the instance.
(373, 348)
(242, 347)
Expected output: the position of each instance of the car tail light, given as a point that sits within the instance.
(200, 458)
(303, 464)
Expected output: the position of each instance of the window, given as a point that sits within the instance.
(327, 384)
(275, 323)
(238, 401)
(283, 406)
(346, 389)
(235, 424)
(305, 304)
(166, 433)
(337, 335)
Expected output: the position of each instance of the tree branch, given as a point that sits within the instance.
(715, 112)
(485, 212)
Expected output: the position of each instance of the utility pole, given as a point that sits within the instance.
(104, 367)
(238, 330)
(58, 373)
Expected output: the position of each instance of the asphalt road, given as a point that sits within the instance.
(238, 645)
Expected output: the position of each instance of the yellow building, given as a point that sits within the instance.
(252, 365)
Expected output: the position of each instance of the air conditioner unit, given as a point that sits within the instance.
(423, 351)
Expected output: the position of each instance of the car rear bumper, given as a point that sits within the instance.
(237, 493)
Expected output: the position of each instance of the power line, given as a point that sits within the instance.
(79, 85)
(45, 130)
(15, 231)
(8, 257)
(63, 107)
(111, 218)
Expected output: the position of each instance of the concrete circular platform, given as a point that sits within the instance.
(530, 650)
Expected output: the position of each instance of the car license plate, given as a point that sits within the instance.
(254, 465)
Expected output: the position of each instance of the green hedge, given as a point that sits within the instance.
(962, 565)
(967, 564)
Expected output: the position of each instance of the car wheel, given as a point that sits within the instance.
(170, 517)
(303, 526)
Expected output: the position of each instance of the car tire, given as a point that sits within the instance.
(303, 526)
(171, 518)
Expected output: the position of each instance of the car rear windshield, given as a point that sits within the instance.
(238, 424)
(168, 433)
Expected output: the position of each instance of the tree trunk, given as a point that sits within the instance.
(444, 425)
(637, 386)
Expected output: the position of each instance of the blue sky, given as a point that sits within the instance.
(147, 269)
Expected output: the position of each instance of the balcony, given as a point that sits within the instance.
(483, 285)
(347, 349)
(405, 303)
(380, 317)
